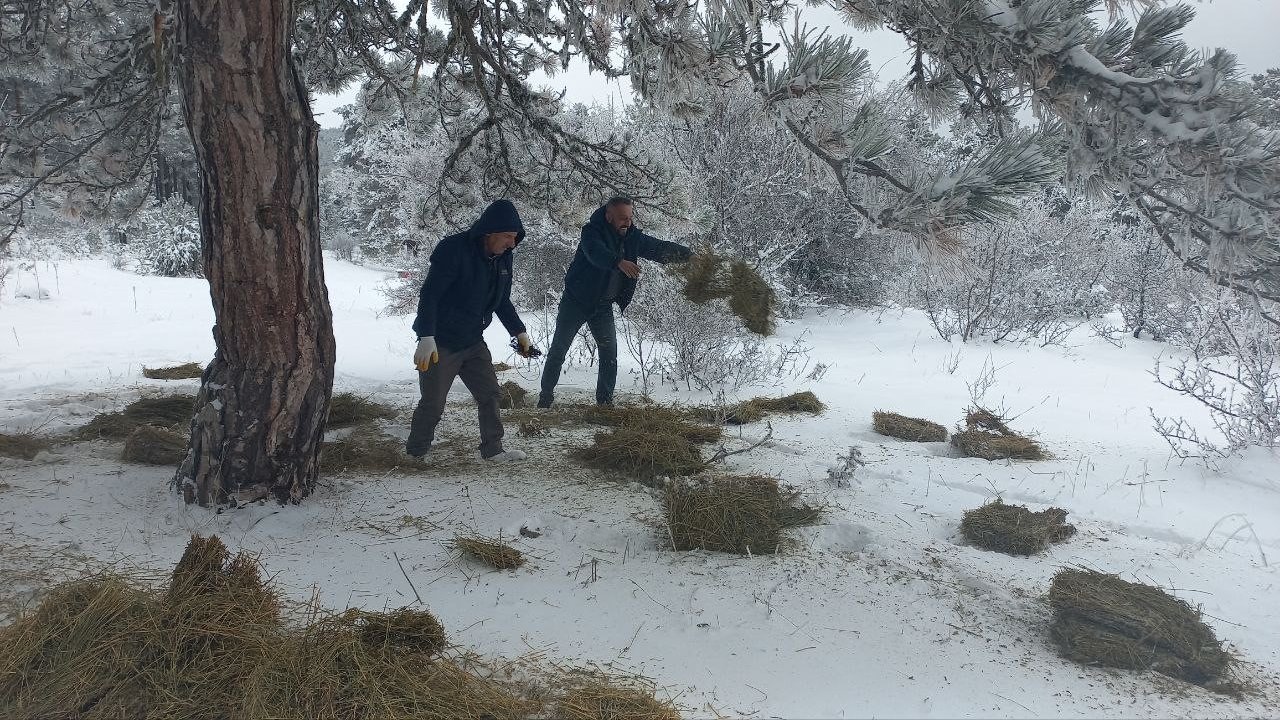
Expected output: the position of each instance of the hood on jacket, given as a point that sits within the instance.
(597, 218)
(500, 216)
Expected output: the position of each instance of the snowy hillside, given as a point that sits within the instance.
(877, 611)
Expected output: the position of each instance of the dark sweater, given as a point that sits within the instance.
(594, 278)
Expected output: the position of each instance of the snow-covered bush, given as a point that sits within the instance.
(164, 239)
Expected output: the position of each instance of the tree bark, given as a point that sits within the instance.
(263, 400)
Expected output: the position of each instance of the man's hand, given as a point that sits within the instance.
(426, 354)
(629, 269)
(523, 346)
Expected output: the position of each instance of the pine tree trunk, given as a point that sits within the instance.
(263, 400)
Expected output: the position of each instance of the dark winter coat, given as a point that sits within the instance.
(595, 263)
(465, 287)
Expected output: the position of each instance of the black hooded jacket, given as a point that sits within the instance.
(595, 263)
(465, 287)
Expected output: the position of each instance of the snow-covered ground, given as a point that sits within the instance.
(879, 611)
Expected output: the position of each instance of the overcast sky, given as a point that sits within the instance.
(1247, 27)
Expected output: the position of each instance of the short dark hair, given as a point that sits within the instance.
(618, 200)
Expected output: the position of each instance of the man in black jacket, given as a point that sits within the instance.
(468, 283)
(603, 272)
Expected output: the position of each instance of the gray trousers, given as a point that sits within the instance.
(475, 366)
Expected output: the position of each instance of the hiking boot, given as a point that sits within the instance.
(507, 456)
(417, 453)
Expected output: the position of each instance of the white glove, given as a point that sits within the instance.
(426, 354)
(525, 343)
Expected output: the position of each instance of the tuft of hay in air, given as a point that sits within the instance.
(23, 446)
(501, 367)
(907, 428)
(185, 371)
(736, 514)
(1101, 619)
(987, 436)
(151, 445)
(512, 395)
(1013, 529)
(750, 298)
(658, 419)
(217, 642)
(489, 551)
(596, 700)
(169, 411)
(641, 454)
(755, 409)
(365, 449)
(401, 631)
(347, 409)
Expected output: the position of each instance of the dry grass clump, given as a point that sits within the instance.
(489, 551)
(755, 409)
(907, 428)
(23, 446)
(749, 296)
(1013, 529)
(1101, 619)
(403, 630)
(501, 367)
(512, 395)
(658, 419)
(151, 445)
(347, 409)
(185, 371)
(736, 514)
(218, 643)
(531, 428)
(598, 700)
(169, 411)
(987, 436)
(365, 449)
(641, 453)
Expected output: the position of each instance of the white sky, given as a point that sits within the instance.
(1247, 27)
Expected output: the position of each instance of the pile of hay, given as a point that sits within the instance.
(501, 367)
(656, 419)
(1013, 529)
(347, 409)
(168, 411)
(987, 436)
(218, 643)
(186, 371)
(151, 445)
(641, 453)
(735, 514)
(1100, 619)
(750, 298)
(365, 449)
(598, 700)
(490, 551)
(755, 409)
(512, 395)
(531, 428)
(907, 428)
(23, 446)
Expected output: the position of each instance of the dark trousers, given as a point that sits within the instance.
(475, 366)
(569, 319)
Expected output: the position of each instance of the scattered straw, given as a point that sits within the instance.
(365, 449)
(23, 446)
(737, 514)
(907, 428)
(1101, 619)
(658, 419)
(641, 454)
(186, 371)
(512, 395)
(603, 701)
(150, 445)
(1013, 529)
(169, 411)
(403, 630)
(489, 551)
(531, 428)
(987, 436)
(501, 367)
(347, 409)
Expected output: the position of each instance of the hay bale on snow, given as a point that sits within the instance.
(168, 411)
(489, 551)
(151, 445)
(347, 409)
(736, 514)
(512, 395)
(185, 371)
(23, 446)
(987, 436)
(403, 630)
(755, 409)
(641, 454)
(907, 428)
(1013, 529)
(1101, 619)
(604, 701)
